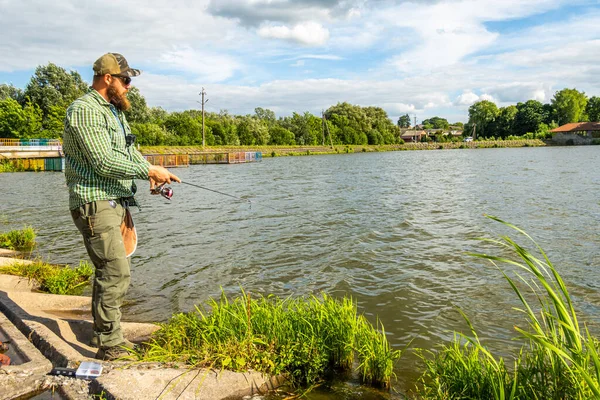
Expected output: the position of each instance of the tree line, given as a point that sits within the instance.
(38, 111)
(532, 118)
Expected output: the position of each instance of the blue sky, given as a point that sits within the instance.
(425, 58)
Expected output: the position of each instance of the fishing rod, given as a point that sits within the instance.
(167, 193)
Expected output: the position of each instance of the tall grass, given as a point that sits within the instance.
(52, 278)
(21, 240)
(11, 166)
(558, 359)
(301, 337)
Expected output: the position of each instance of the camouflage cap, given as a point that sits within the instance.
(114, 64)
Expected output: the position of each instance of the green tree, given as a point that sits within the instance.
(149, 134)
(307, 128)
(593, 109)
(569, 106)
(252, 131)
(503, 125)
(51, 86)
(382, 129)
(19, 122)
(436, 123)
(139, 111)
(529, 117)
(223, 127)
(482, 113)
(53, 125)
(11, 118)
(404, 121)
(11, 92)
(351, 121)
(265, 114)
(281, 136)
(158, 115)
(186, 128)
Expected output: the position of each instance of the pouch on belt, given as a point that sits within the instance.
(129, 233)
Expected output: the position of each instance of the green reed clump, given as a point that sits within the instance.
(302, 338)
(558, 358)
(11, 166)
(20, 240)
(52, 278)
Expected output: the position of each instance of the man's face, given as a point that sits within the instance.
(117, 94)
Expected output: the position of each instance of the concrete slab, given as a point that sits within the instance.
(60, 328)
(9, 259)
(26, 377)
(197, 384)
(9, 253)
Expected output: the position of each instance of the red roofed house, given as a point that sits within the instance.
(412, 136)
(576, 133)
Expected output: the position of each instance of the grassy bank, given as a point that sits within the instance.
(53, 278)
(50, 278)
(302, 338)
(276, 151)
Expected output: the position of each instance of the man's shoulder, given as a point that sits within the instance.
(86, 103)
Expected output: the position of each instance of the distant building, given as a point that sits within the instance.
(413, 136)
(576, 133)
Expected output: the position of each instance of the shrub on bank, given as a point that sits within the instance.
(302, 338)
(19, 240)
(52, 278)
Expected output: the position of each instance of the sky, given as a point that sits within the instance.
(424, 58)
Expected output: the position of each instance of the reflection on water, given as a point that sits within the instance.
(393, 231)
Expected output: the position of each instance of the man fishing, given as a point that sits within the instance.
(100, 166)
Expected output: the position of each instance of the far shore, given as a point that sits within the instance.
(277, 151)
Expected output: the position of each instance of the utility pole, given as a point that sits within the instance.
(326, 127)
(203, 93)
(323, 126)
(415, 135)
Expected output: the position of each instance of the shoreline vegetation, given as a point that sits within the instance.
(307, 338)
(14, 165)
(278, 151)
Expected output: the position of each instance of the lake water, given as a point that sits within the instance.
(390, 229)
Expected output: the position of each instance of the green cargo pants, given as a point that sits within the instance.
(99, 222)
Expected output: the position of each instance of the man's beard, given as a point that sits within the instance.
(120, 101)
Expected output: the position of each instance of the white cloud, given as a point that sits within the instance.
(466, 99)
(307, 33)
(514, 92)
(201, 64)
(427, 57)
(321, 57)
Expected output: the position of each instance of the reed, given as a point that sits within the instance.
(52, 278)
(303, 338)
(20, 240)
(558, 358)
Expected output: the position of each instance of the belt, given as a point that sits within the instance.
(127, 202)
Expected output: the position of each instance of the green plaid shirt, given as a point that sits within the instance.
(98, 164)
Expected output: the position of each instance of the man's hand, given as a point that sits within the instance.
(159, 175)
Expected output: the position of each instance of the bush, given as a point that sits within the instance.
(52, 278)
(20, 240)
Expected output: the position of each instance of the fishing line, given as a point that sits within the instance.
(250, 202)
